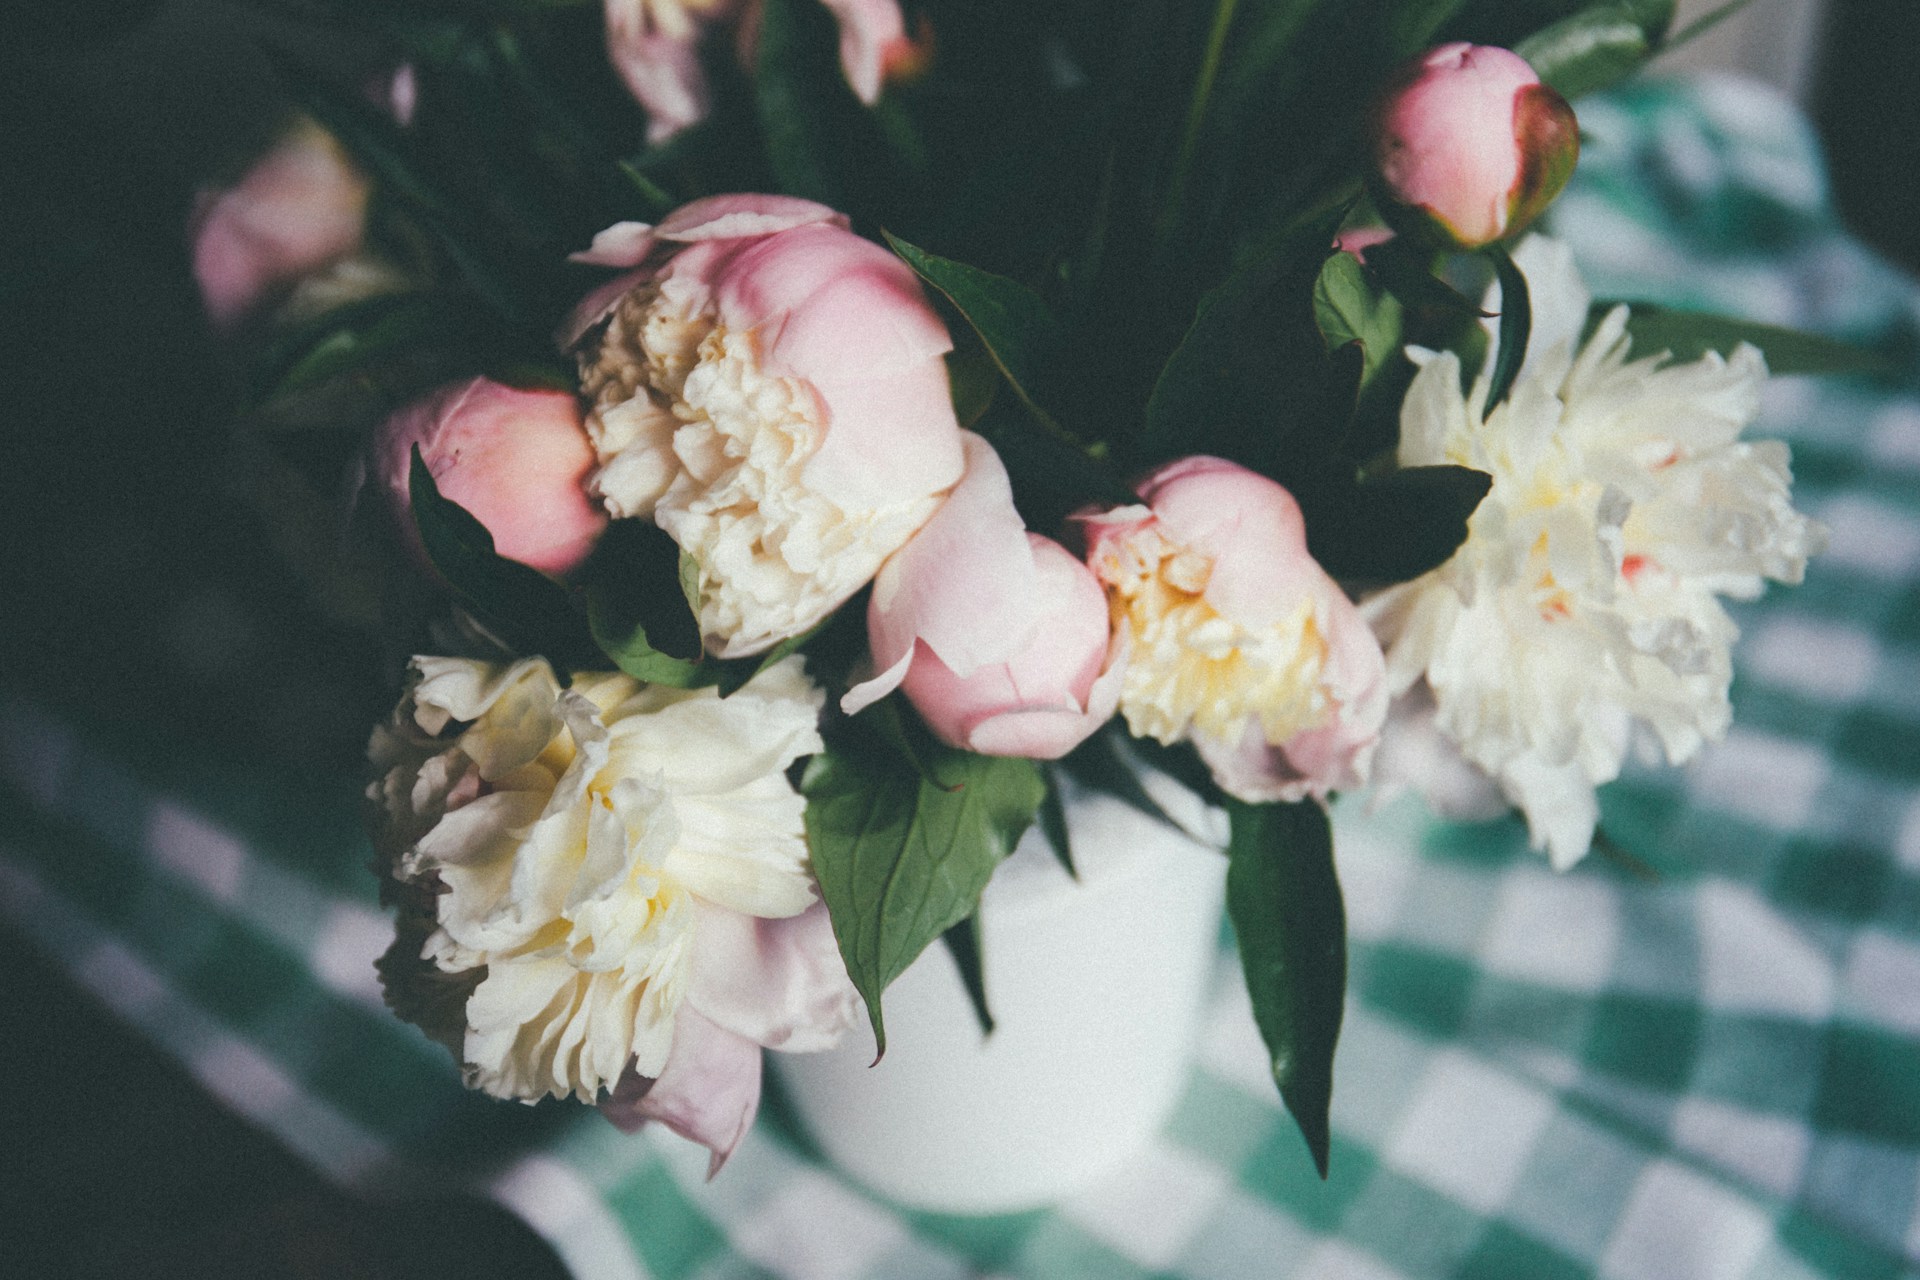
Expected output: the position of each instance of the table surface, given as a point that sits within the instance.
(1715, 1073)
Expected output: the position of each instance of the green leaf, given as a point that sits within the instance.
(1394, 527)
(1348, 308)
(1412, 26)
(1688, 335)
(689, 579)
(1283, 896)
(963, 944)
(629, 649)
(351, 348)
(1251, 380)
(528, 611)
(901, 860)
(1020, 332)
(1591, 49)
(1098, 765)
(1516, 325)
(788, 83)
(1053, 821)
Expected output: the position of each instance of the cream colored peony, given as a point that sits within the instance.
(594, 871)
(1585, 602)
(1236, 638)
(769, 389)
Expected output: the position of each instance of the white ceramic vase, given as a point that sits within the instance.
(1097, 989)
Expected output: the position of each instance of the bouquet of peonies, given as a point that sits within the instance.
(797, 435)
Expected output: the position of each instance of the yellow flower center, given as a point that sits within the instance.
(1193, 670)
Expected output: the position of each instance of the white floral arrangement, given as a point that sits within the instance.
(767, 572)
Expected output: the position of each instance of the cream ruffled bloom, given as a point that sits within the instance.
(1236, 638)
(570, 854)
(769, 389)
(1585, 599)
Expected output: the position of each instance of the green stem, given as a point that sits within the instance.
(1223, 12)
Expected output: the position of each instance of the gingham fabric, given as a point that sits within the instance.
(1714, 1075)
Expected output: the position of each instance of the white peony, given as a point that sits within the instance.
(1585, 601)
(585, 867)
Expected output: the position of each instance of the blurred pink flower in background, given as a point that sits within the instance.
(1469, 146)
(1000, 638)
(655, 46)
(299, 209)
(1239, 639)
(516, 460)
(771, 390)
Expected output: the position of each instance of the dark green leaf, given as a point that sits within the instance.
(789, 81)
(1020, 333)
(1394, 527)
(963, 944)
(1283, 896)
(1590, 49)
(1516, 325)
(1407, 272)
(1251, 379)
(1687, 335)
(1348, 308)
(350, 349)
(1098, 765)
(629, 649)
(901, 860)
(1414, 22)
(528, 611)
(1053, 821)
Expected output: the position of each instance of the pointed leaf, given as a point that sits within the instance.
(1019, 331)
(788, 82)
(1687, 335)
(1348, 308)
(963, 944)
(901, 860)
(529, 611)
(1394, 527)
(1053, 821)
(1516, 325)
(1284, 899)
(1590, 49)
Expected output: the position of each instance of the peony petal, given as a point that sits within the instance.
(708, 1092)
(829, 306)
(780, 983)
(966, 585)
(624, 244)
(733, 217)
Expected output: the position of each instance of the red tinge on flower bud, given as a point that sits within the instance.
(1469, 146)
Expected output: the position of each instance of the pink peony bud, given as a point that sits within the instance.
(655, 47)
(301, 208)
(517, 460)
(1239, 640)
(999, 637)
(1469, 146)
(771, 390)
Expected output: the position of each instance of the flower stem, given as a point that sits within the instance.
(1223, 12)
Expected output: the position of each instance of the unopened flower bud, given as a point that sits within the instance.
(1469, 146)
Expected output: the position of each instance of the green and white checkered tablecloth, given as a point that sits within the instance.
(1715, 1074)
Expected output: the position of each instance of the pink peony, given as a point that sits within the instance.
(1238, 639)
(999, 637)
(655, 46)
(771, 390)
(1469, 146)
(301, 208)
(516, 460)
